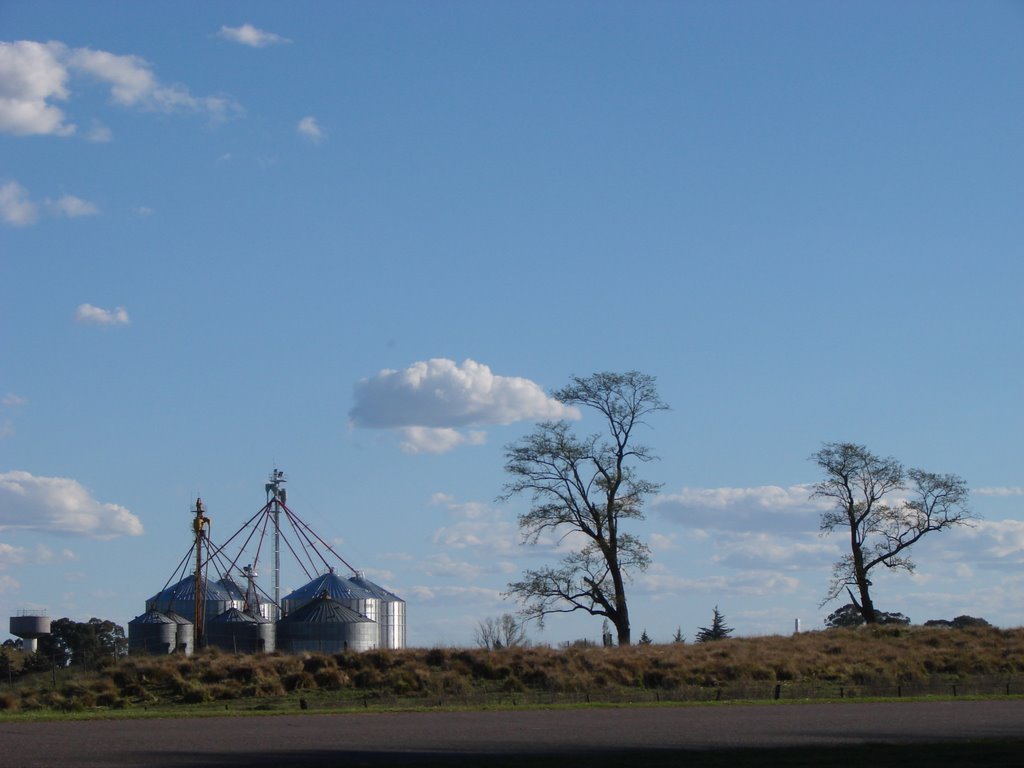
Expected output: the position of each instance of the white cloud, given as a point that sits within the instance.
(767, 507)
(442, 396)
(249, 35)
(142, 211)
(12, 400)
(477, 527)
(6, 430)
(9, 584)
(60, 505)
(33, 75)
(460, 594)
(748, 550)
(72, 207)
(1013, 490)
(443, 565)
(15, 206)
(87, 314)
(99, 133)
(659, 581)
(310, 128)
(438, 439)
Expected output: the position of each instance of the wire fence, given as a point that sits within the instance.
(981, 685)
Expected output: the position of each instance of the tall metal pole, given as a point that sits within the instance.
(198, 525)
(275, 494)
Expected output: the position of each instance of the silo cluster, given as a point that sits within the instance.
(329, 613)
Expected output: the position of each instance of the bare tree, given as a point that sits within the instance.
(585, 487)
(500, 632)
(886, 509)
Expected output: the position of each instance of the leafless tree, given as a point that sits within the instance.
(500, 632)
(886, 509)
(586, 487)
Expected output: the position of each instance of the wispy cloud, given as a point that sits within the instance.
(310, 129)
(60, 505)
(99, 133)
(72, 207)
(766, 507)
(429, 402)
(87, 314)
(1010, 490)
(12, 400)
(36, 76)
(251, 36)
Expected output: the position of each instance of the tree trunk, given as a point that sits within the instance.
(867, 607)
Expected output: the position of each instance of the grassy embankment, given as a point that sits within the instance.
(879, 662)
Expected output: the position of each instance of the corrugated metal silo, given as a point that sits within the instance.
(240, 632)
(152, 632)
(391, 619)
(349, 594)
(185, 633)
(324, 624)
(180, 598)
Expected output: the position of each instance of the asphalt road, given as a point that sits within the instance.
(954, 732)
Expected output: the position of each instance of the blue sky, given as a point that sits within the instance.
(359, 242)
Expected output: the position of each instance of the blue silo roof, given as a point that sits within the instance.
(375, 589)
(153, 617)
(332, 584)
(186, 590)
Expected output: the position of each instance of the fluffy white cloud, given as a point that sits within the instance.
(249, 35)
(87, 314)
(762, 508)
(60, 505)
(310, 128)
(72, 207)
(15, 206)
(440, 396)
(31, 77)
(34, 75)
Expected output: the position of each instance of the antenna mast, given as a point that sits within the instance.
(276, 496)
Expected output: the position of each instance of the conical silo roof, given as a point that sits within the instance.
(186, 590)
(331, 584)
(324, 609)
(360, 581)
(153, 617)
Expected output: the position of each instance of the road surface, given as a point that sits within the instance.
(991, 731)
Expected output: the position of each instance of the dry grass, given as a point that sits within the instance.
(872, 659)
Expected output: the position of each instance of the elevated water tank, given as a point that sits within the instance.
(30, 625)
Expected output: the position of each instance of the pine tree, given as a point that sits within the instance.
(716, 631)
(645, 638)
(679, 637)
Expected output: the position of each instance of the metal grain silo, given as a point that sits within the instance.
(181, 599)
(152, 632)
(185, 633)
(391, 618)
(349, 594)
(324, 624)
(240, 632)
